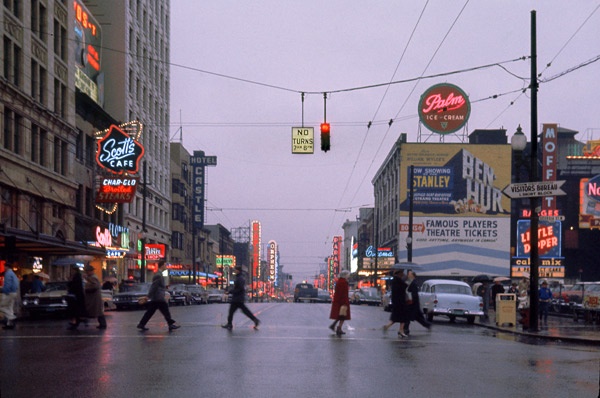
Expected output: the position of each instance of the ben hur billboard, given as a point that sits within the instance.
(461, 219)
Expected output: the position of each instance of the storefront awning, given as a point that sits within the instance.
(44, 245)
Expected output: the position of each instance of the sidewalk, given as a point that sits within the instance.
(559, 327)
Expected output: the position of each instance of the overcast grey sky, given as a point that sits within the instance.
(238, 68)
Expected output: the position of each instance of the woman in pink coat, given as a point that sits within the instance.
(340, 299)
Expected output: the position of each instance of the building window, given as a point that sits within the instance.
(12, 61)
(60, 40)
(60, 98)
(38, 20)
(9, 209)
(90, 151)
(13, 126)
(60, 156)
(38, 82)
(79, 145)
(35, 215)
(14, 6)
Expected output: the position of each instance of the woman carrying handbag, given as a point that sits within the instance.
(340, 306)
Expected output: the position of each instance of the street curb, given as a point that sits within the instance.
(579, 340)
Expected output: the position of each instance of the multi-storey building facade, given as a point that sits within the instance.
(135, 56)
(42, 152)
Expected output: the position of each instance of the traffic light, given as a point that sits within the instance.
(325, 142)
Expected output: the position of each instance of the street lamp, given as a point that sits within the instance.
(518, 143)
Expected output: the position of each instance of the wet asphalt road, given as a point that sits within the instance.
(293, 354)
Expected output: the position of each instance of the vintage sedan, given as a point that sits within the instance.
(216, 296)
(450, 298)
(50, 301)
(199, 294)
(180, 295)
(369, 296)
(131, 296)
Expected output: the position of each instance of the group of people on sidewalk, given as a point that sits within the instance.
(84, 298)
(405, 303)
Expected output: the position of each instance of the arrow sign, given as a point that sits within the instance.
(534, 189)
(551, 218)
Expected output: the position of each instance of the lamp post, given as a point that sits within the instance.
(518, 143)
(409, 239)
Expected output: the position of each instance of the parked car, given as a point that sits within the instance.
(216, 296)
(369, 296)
(305, 292)
(323, 296)
(450, 298)
(199, 294)
(107, 298)
(386, 301)
(355, 296)
(131, 296)
(50, 301)
(180, 295)
(590, 306)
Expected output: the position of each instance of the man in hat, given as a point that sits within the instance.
(238, 297)
(93, 297)
(9, 295)
(545, 299)
(156, 295)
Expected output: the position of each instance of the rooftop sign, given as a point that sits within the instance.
(444, 108)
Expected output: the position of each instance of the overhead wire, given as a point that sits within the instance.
(370, 123)
(407, 98)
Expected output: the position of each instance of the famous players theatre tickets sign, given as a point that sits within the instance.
(461, 219)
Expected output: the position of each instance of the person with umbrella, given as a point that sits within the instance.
(399, 307)
(415, 312)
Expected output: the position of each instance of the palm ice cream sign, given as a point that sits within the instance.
(444, 108)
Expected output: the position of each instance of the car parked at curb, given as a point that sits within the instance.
(323, 296)
(450, 298)
(369, 296)
(216, 296)
(51, 301)
(131, 296)
(180, 295)
(199, 294)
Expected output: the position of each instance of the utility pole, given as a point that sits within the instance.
(144, 193)
(534, 202)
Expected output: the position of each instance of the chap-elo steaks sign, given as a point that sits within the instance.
(444, 108)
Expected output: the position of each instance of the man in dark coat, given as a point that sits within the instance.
(238, 297)
(399, 308)
(157, 301)
(76, 299)
(414, 308)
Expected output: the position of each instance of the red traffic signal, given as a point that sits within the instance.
(325, 141)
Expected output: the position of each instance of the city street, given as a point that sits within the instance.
(293, 354)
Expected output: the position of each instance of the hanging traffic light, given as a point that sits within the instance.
(325, 142)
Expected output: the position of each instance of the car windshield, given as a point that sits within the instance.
(138, 287)
(54, 286)
(371, 292)
(454, 289)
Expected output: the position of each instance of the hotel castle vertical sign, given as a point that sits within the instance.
(199, 162)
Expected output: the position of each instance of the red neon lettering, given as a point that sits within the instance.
(435, 102)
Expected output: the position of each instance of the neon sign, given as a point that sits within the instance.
(444, 108)
(116, 190)
(118, 152)
(88, 41)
